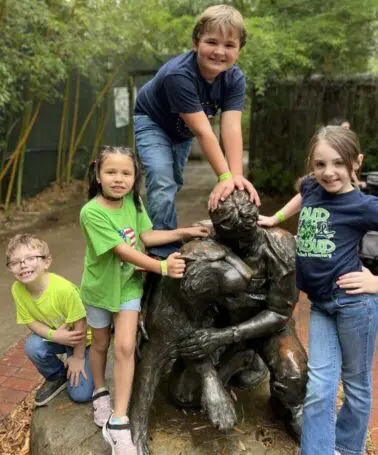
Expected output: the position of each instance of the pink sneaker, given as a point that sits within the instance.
(118, 436)
(102, 408)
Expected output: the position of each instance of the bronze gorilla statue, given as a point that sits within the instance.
(235, 300)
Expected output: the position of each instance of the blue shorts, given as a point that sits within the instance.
(98, 318)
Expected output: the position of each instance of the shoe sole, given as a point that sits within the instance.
(57, 391)
(108, 439)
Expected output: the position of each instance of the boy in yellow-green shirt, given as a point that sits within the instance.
(52, 309)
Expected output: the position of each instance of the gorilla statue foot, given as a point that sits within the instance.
(251, 377)
(291, 415)
(294, 423)
(184, 386)
(219, 405)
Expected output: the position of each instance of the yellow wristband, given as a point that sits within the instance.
(50, 334)
(280, 216)
(164, 268)
(225, 176)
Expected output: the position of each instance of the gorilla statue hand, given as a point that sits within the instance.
(204, 342)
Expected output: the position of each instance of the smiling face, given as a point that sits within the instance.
(28, 264)
(330, 170)
(217, 50)
(116, 176)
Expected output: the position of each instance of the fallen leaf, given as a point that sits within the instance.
(242, 446)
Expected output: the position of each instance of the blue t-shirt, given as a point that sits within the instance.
(178, 87)
(330, 228)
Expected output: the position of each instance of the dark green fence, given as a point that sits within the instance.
(285, 118)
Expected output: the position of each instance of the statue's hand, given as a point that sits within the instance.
(203, 342)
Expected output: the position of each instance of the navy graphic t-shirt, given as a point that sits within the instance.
(329, 231)
(178, 87)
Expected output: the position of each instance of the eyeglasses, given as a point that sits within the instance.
(28, 261)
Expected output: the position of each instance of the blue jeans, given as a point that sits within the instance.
(43, 354)
(341, 342)
(164, 161)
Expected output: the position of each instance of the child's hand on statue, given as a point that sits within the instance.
(175, 265)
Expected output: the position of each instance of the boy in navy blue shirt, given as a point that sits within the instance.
(176, 105)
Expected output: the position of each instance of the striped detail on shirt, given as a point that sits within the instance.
(128, 234)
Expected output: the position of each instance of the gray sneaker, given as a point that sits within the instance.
(102, 408)
(49, 390)
(118, 436)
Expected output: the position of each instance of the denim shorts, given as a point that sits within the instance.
(98, 318)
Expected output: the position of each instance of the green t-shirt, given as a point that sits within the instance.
(107, 281)
(60, 303)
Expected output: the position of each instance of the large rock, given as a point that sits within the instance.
(67, 428)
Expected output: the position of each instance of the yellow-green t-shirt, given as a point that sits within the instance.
(59, 304)
(108, 281)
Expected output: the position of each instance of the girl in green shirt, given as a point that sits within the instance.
(116, 227)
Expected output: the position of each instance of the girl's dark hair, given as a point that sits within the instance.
(95, 167)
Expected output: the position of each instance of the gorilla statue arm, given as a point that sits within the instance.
(273, 318)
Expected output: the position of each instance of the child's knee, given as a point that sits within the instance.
(124, 348)
(101, 342)
(81, 394)
(34, 346)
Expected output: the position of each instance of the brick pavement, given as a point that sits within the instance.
(18, 377)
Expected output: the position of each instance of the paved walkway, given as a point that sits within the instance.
(18, 376)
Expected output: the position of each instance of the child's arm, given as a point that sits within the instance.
(287, 211)
(233, 146)
(76, 362)
(200, 126)
(156, 238)
(175, 266)
(62, 335)
(359, 282)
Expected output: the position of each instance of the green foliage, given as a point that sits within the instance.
(298, 38)
(273, 179)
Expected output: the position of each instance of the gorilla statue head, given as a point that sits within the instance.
(236, 217)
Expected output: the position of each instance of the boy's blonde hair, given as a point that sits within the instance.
(224, 17)
(29, 241)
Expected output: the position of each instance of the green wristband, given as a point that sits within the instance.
(225, 176)
(164, 268)
(50, 334)
(280, 216)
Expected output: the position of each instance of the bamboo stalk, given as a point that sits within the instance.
(3, 10)
(73, 149)
(21, 141)
(73, 131)
(99, 136)
(11, 182)
(62, 133)
(130, 127)
(20, 174)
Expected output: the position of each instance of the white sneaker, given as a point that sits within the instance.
(118, 436)
(102, 407)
